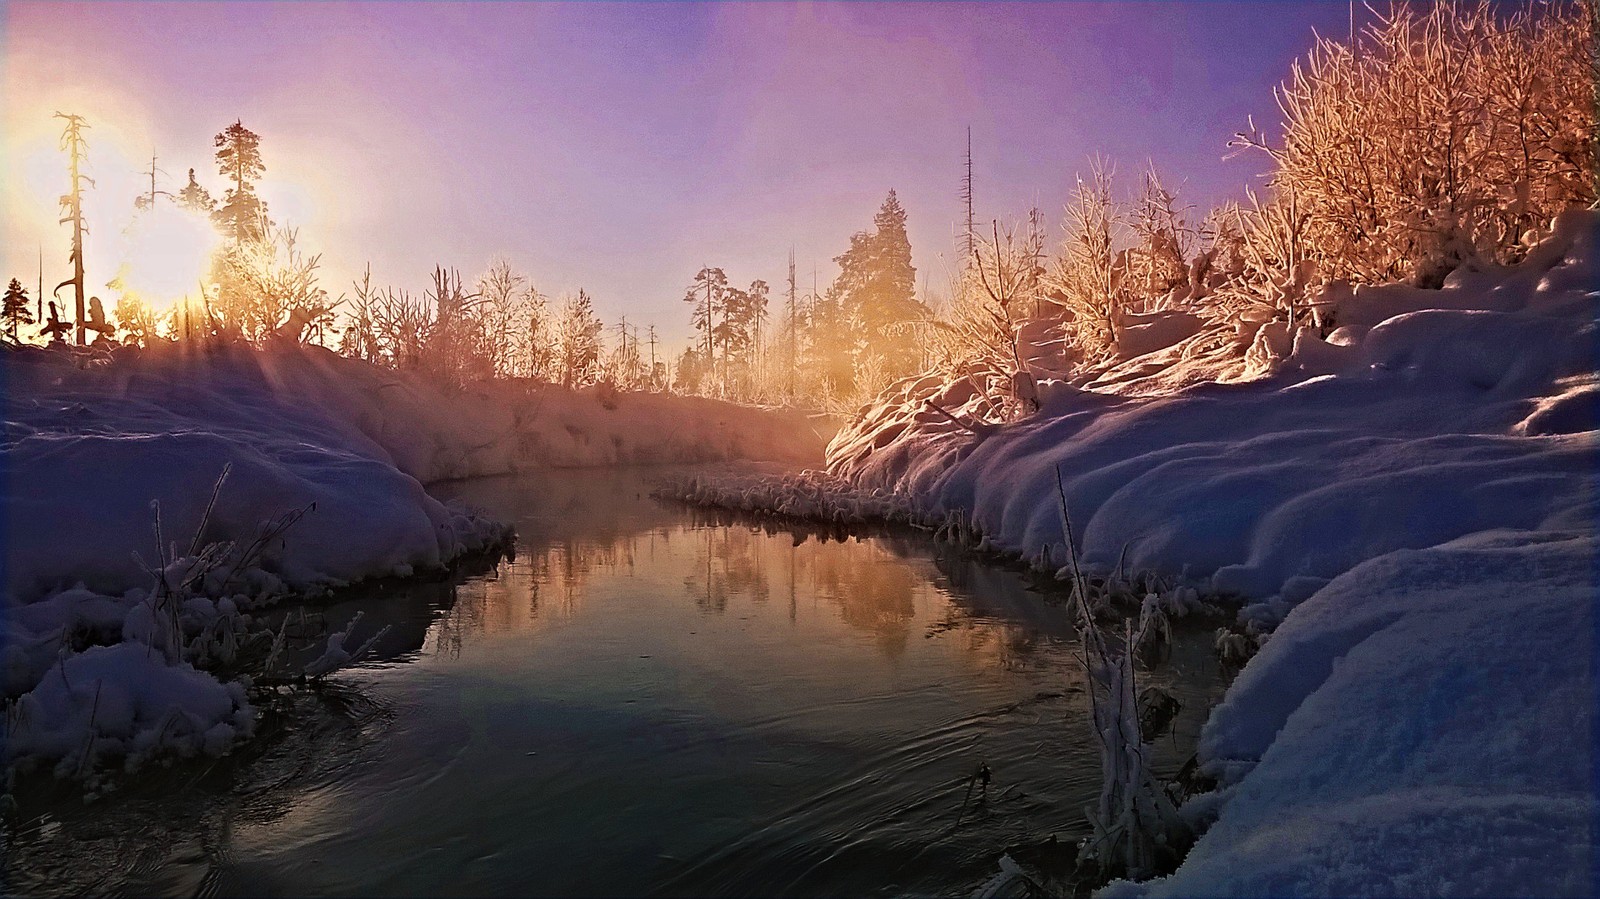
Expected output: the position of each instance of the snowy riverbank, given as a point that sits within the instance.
(1413, 498)
(100, 660)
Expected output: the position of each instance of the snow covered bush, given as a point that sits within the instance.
(1089, 275)
(1442, 136)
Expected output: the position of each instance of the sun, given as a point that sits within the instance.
(167, 255)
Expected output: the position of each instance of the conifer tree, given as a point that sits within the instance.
(243, 215)
(196, 198)
(877, 285)
(708, 297)
(15, 312)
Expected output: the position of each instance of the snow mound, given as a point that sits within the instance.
(1421, 726)
(126, 702)
(1410, 499)
(1404, 432)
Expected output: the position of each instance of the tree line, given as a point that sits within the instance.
(1433, 141)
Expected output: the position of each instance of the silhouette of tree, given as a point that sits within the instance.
(708, 296)
(243, 215)
(196, 198)
(15, 312)
(73, 142)
(135, 320)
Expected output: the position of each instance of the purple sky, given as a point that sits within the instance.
(619, 147)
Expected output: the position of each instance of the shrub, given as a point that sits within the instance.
(1438, 138)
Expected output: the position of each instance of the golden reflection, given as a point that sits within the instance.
(728, 562)
(872, 587)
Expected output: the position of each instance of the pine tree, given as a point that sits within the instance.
(15, 312)
(877, 285)
(708, 297)
(243, 215)
(196, 198)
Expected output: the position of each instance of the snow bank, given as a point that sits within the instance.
(1413, 497)
(91, 441)
(1421, 428)
(326, 460)
(1421, 726)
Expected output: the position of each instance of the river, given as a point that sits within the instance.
(650, 700)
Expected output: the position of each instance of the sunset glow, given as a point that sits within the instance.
(799, 448)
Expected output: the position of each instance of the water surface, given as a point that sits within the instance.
(646, 700)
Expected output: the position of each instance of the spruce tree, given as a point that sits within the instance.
(196, 198)
(15, 313)
(243, 215)
(877, 285)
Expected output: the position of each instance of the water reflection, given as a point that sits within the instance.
(872, 584)
(645, 699)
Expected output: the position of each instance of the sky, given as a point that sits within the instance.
(619, 147)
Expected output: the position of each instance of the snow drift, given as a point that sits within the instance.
(92, 440)
(1412, 496)
(1466, 409)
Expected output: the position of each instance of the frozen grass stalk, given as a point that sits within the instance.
(1137, 829)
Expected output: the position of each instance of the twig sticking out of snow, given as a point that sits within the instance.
(1136, 826)
(980, 429)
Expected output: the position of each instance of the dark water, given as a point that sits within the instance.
(647, 701)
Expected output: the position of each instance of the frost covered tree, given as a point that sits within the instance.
(135, 320)
(877, 283)
(1162, 239)
(1443, 136)
(453, 350)
(267, 286)
(507, 306)
(359, 339)
(243, 215)
(578, 332)
(1088, 276)
(14, 313)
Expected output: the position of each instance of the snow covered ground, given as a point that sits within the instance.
(1413, 498)
(98, 662)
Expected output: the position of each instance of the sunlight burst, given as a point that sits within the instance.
(168, 254)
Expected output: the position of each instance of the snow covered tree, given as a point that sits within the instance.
(267, 287)
(453, 351)
(1157, 260)
(243, 215)
(539, 338)
(135, 322)
(506, 302)
(877, 283)
(15, 312)
(578, 342)
(1088, 276)
(359, 339)
(1443, 136)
